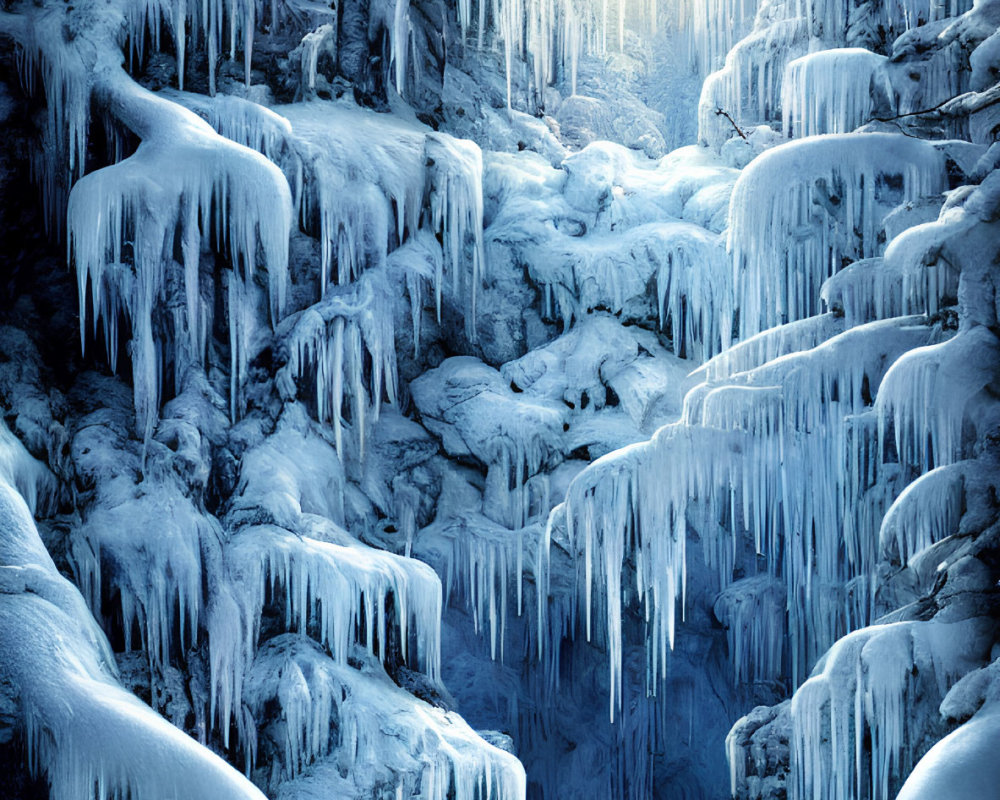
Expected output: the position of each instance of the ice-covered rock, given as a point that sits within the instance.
(867, 686)
(350, 328)
(786, 240)
(81, 728)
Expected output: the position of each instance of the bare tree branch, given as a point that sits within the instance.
(954, 106)
(720, 113)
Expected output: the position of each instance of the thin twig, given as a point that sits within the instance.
(938, 107)
(720, 113)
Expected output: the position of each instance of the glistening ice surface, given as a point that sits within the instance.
(551, 399)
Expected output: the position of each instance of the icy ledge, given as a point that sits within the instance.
(84, 732)
(387, 736)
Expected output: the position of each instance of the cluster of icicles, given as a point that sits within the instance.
(59, 657)
(218, 188)
(811, 399)
(230, 191)
(798, 428)
(549, 36)
(765, 74)
(855, 423)
(121, 233)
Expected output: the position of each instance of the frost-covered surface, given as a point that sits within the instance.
(787, 235)
(829, 91)
(429, 370)
(81, 727)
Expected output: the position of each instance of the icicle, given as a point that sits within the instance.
(927, 394)
(829, 91)
(82, 729)
(438, 751)
(929, 272)
(242, 191)
(478, 564)
(866, 688)
(904, 15)
(613, 271)
(867, 290)
(206, 21)
(322, 41)
(456, 200)
(694, 291)
(550, 36)
(608, 506)
(713, 27)
(331, 583)
(399, 39)
(771, 344)
(245, 122)
(748, 87)
(753, 448)
(121, 536)
(326, 343)
(66, 83)
(241, 312)
(753, 612)
(786, 240)
(366, 175)
(927, 511)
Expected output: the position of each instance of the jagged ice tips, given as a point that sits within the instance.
(500, 399)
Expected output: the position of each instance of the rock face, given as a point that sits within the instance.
(425, 414)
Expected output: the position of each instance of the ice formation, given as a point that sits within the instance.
(879, 724)
(752, 611)
(960, 764)
(787, 240)
(927, 511)
(928, 417)
(714, 28)
(326, 580)
(693, 292)
(83, 731)
(216, 24)
(221, 185)
(480, 565)
(153, 545)
(792, 411)
(478, 414)
(107, 741)
(811, 107)
(344, 585)
(597, 449)
(865, 686)
(750, 86)
(866, 290)
(425, 749)
(329, 341)
(365, 180)
(607, 262)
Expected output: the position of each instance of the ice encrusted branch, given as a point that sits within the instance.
(719, 112)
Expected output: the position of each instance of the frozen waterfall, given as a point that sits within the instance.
(437, 431)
